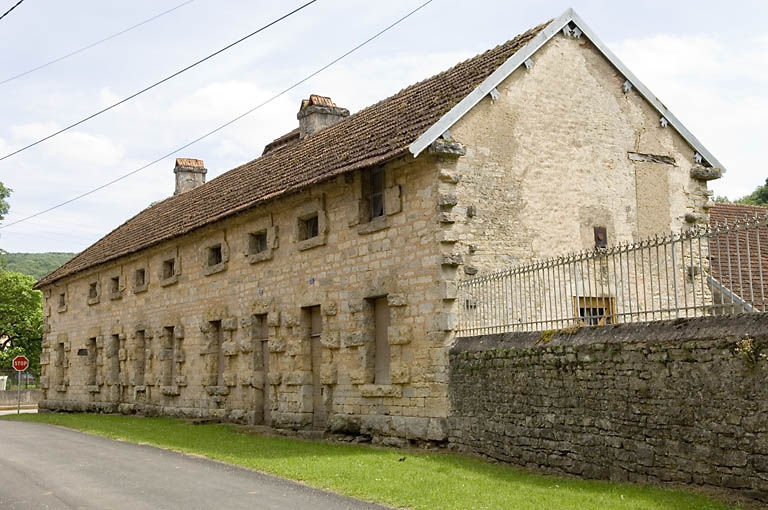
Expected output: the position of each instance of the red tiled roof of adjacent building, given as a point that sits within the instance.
(739, 260)
(371, 136)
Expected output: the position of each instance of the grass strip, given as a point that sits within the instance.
(400, 478)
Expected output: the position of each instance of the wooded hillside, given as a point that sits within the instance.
(36, 264)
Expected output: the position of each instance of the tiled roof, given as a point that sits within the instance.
(739, 260)
(373, 135)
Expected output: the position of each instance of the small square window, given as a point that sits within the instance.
(93, 291)
(169, 268)
(139, 278)
(601, 237)
(214, 255)
(257, 242)
(308, 228)
(114, 285)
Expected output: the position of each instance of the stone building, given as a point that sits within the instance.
(315, 286)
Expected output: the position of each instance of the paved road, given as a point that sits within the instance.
(47, 467)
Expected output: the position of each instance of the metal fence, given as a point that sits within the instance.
(705, 271)
(10, 380)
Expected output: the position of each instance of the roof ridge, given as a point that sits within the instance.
(372, 135)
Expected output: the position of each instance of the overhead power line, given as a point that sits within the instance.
(228, 123)
(88, 47)
(150, 87)
(12, 8)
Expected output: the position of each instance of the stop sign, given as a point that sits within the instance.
(20, 363)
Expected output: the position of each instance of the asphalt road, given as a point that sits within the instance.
(48, 467)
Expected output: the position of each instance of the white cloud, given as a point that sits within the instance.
(716, 89)
(33, 131)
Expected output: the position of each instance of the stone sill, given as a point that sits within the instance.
(217, 390)
(255, 258)
(116, 295)
(169, 281)
(380, 390)
(374, 225)
(170, 391)
(143, 288)
(62, 309)
(312, 242)
(93, 301)
(93, 389)
(218, 268)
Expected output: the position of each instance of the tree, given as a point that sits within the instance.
(4, 206)
(21, 319)
(757, 197)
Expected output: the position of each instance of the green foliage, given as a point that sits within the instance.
(36, 264)
(4, 194)
(721, 199)
(399, 478)
(21, 318)
(757, 197)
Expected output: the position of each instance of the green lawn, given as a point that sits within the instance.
(410, 479)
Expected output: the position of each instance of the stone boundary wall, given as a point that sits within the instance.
(28, 397)
(683, 401)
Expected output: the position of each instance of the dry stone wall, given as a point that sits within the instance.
(682, 401)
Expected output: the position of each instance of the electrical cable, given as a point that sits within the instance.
(150, 87)
(228, 123)
(12, 8)
(88, 47)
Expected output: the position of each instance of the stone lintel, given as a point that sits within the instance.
(380, 390)
(651, 158)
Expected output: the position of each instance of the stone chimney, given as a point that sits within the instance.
(318, 112)
(190, 173)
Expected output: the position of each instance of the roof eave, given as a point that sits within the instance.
(51, 279)
(519, 58)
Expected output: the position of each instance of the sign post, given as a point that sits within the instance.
(20, 364)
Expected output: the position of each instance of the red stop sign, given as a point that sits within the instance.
(20, 363)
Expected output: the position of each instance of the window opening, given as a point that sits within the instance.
(376, 192)
(308, 228)
(169, 267)
(114, 360)
(257, 242)
(60, 364)
(140, 356)
(260, 334)
(139, 278)
(114, 285)
(596, 311)
(313, 322)
(217, 340)
(62, 300)
(382, 353)
(601, 238)
(169, 356)
(93, 291)
(214, 255)
(92, 366)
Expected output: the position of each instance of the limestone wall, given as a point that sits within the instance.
(549, 160)
(233, 339)
(681, 401)
(10, 398)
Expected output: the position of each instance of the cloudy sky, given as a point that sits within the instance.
(706, 60)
